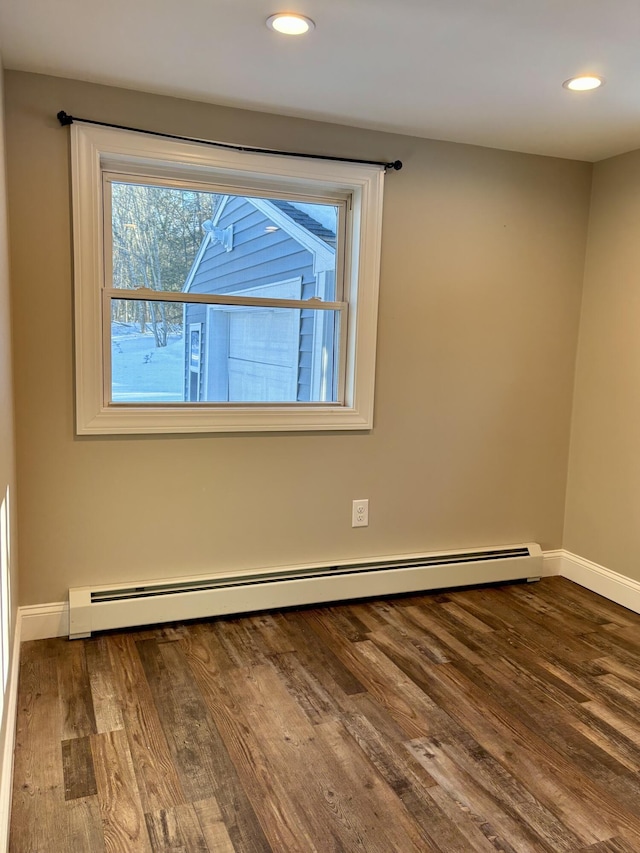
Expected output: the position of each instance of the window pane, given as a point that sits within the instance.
(174, 352)
(172, 240)
(156, 234)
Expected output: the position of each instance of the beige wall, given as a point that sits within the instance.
(8, 527)
(482, 268)
(603, 495)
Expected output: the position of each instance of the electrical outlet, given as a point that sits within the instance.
(360, 513)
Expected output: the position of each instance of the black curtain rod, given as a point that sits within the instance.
(65, 119)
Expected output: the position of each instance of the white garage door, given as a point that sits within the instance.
(264, 344)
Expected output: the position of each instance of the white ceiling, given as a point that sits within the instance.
(487, 72)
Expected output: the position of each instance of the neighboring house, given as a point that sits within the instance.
(262, 248)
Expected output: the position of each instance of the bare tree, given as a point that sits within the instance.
(156, 232)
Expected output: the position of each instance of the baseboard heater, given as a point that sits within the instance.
(102, 608)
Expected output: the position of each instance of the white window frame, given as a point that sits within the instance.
(99, 150)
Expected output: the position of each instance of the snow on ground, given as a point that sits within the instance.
(142, 372)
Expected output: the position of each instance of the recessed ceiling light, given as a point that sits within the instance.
(290, 23)
(583, 83)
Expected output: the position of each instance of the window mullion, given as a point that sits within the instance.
(147, 295)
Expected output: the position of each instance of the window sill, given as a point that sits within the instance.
(133, 420)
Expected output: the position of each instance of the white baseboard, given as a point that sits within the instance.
(8, 743)
(612, 585)
(41, 621)
(552, 562)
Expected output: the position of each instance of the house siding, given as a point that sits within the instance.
(258, 258)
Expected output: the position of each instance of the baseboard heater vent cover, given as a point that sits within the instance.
(102, 608)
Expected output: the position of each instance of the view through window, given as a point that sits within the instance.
(226, 266)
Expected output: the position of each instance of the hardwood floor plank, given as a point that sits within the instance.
(444, 725)
(488, 603)
(158, 782)
(624, 670)
(183, 719)
(616, 720)
(613, 845)
(550, 775)
(163, 831)
(592, 603)
(270, 634)
(84, 831)
(104, 695)
(467, 619)
(78, 717)
(240, 641)
(553, 611)
(398, 621)
(391, 762)
(612, 644)
(558, 682)
(212, 826)
(523, 699)
(456, 644)
(316, 809)
(506, 790)
(383, 742)
(401, 829)
(176, 830)
(627, 633)
(473, 831)
(199, 754)
(559, 594)
(410, 707)
(334, 805)
(346, 623)
(327, 666)
(316, 702)
(596, 723)
(372, 614)
(77, 768)
(269, 796)
(38, 781)
(498, 816)
(123, 820)
(444, 683)
(560, 708)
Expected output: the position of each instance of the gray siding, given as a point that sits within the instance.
(257, 258)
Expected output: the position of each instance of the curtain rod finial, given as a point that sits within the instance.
(395, 166)
(64, 118)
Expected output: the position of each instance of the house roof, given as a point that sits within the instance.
(306, 221)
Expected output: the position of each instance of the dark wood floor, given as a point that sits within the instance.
(496, 719)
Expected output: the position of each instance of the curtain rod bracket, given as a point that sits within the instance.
(64, 118)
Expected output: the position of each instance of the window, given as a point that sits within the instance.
(220, 290)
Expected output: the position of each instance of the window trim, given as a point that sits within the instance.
(96, 150)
